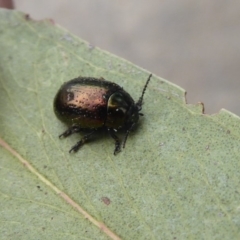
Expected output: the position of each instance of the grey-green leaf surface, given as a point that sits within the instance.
(177, 178)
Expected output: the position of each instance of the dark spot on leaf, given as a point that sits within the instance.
(106, 200)
(27, 16)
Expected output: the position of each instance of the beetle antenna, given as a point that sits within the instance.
(139, 102)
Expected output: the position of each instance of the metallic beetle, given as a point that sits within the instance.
(86, 103)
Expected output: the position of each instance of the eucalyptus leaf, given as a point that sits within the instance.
(177, 178)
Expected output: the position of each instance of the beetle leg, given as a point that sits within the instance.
(76, 147)
(70, 131)
(117, 141)
(127, 133)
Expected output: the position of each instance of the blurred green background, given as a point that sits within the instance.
(195, 44)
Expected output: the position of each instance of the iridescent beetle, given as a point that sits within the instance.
(86, 103)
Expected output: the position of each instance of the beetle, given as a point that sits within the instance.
(87, 103)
